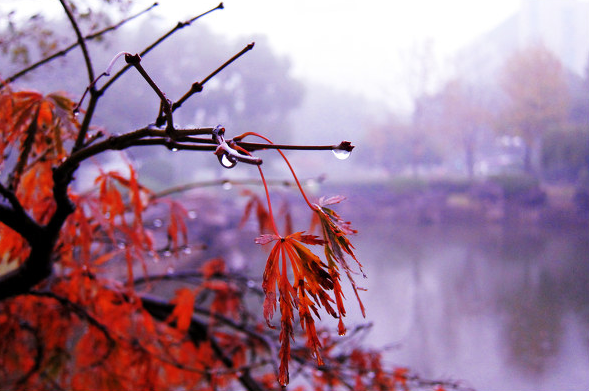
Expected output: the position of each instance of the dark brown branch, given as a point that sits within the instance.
(36, 268)
(66, 50)
(135, 138)
(149, 48)
(81, 40)
(198, 86)
(41, 239)
(343, 146)
(25, 151)
(155, 136)
(166, 104)
(16, 218)
(94, 97)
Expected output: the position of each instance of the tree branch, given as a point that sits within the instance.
(178, 27)
(25, 151)
(198, 86)
(66, 50)
(166, 104)
(198, 333)
(81, 40)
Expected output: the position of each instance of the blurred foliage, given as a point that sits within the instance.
(565, 154)
(27, 33)
(515, 184)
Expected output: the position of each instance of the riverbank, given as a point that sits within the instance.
(502, 200)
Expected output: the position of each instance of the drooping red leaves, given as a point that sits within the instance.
(307, 292)
(335, 232)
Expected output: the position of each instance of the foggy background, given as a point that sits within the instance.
(469, 183)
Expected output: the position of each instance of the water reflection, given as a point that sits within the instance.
(501, 308)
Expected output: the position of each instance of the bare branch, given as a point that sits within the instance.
(178, 27)
(81, 40)
(166, 104)
(24, 155)
(229, 156)
(343, 146)
(198, 86)
(66, 50)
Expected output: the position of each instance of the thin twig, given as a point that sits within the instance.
(81, 40)
(237, 182)
(166, 104)
(26, 149)
(178, 27)
(198, 86)
(72, 46)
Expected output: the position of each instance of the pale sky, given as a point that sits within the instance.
(366, 46)
(363, 46)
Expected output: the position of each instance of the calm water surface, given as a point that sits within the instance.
(499, 308)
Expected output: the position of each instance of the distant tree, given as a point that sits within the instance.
(422, 71)
(80, 305)
(463, 118)
(533, 80)
(579, 91)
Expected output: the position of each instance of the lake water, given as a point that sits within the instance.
(498, 308)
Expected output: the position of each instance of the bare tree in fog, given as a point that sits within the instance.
(464, 116)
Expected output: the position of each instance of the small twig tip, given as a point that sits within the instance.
(345, 146)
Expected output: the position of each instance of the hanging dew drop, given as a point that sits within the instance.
(341, 154)
(226, 161)
(174, 149)
(227, 185)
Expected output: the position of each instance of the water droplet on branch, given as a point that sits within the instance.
(341, 154)
(227, 161)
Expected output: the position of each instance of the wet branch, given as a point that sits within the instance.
(198, 86)
(178, 27)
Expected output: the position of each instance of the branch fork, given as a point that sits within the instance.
(229, 156)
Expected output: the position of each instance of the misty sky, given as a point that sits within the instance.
(364, 46)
